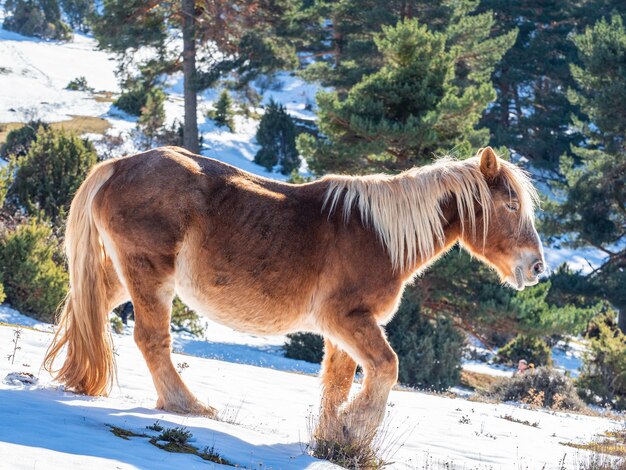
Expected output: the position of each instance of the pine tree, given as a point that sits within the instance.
(251, 37)
(152, 117)
(531, 115)
(79, 12)
(429, 350)
(343, 43)
(603, 379)
(277, 137)
(425, 100)
(593, 194)
(32, 269)
(223, 113)
(40, 18)
(48, 176)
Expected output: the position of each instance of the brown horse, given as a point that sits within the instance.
(331, 257)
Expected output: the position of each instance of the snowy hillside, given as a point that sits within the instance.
(34, 75)
(265, 417)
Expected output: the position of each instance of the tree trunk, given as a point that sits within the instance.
(190, 130)
(621, 319)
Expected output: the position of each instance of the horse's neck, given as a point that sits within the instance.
(452, 230)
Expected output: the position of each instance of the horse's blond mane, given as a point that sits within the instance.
(405, 209)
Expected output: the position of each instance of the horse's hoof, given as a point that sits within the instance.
(204, 410)
(197, 408)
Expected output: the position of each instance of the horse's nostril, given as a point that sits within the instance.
(538, 268)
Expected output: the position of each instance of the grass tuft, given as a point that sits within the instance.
(351, 456)
(611, 443)
(124, 433)
(209, 453)
(524, 422)
(155, 426)
(174, 440)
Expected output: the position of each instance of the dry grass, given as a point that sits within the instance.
(520, 421)
(608, 451)
(599, 461)
(7, 127)
(360, 450)
(77, 123)
(477, 381)
(104, 96)
(83, 125)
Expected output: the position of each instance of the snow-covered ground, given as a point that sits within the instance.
(34, 74)
(42, 426)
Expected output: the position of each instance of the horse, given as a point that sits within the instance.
(331, 256)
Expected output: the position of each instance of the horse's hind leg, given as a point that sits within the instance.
(152, 292)
(360, 335)
(337, 376)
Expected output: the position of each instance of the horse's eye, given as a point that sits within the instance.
(512, 206)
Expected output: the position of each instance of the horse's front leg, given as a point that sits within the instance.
(337, 376)
(359, 334)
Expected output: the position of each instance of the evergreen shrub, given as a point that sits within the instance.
(39, 18)
(531, 348)
(47, 177)
(305, 347)
(32, 270)
(429, 350)
(19, 140)
(603, 377)
(277, 137)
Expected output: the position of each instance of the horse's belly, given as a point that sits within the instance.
(243, 309)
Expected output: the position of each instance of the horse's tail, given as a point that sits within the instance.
(89, 366)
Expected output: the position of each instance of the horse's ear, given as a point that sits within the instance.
(489, 164)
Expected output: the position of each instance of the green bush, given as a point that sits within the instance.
(19, 140)
(40, 18)
(152, 119)
(78, 84)
(532, 349)
(134, 98)
(6, 179)
(173, 134)
(277, 137)
(185, 319)
(222, 113)
(116, 324)
(543, 387)
(50, 173)
(33, 275)
(603, 377)
(430, 351)
(304, 346)
(79, 12)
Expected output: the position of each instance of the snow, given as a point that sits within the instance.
(578, 259)
(566, 357)
(46, 426)
(496, 370)
(569, 356)
(13, 317)
(37, 72)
